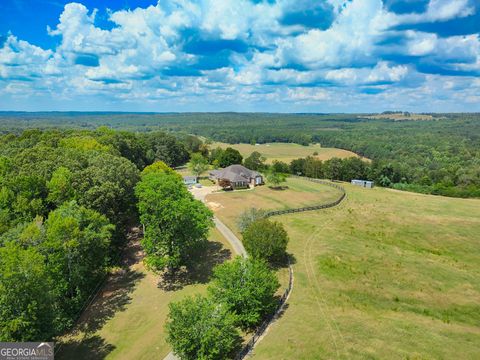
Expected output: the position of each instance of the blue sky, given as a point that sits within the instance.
(240, 55)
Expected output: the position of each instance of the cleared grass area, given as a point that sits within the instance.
(230, 204)
(286, 151)
(385, 275)
(127, 319)
(204, 180)
(401, 117)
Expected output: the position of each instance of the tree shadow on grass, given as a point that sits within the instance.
(198, 271)
(279, 188)
(288, 259)
(114, 297)
(90, 347)
(281, 312)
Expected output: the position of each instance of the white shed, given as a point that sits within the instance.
(189, 180)
(363, 183)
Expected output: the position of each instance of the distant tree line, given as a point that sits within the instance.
(439, 156)
(384, 174)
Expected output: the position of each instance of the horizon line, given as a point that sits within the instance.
(386, 112)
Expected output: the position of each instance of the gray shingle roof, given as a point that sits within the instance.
(235, 173)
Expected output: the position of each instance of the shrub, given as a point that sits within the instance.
(248, 217)
(276, 178)
(266, 239)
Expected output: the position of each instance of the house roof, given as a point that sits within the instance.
(235, 173)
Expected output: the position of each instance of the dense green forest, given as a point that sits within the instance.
(439, 156)
(66, 201)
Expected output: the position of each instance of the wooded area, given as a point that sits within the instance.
(66, 202)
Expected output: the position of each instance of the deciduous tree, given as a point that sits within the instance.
(248, 217)
(276, 178)
(26, 307)
(60, 187)
(198, 328)
(246, 286)
(175, 223)
(266, 239)
(76, 242)
(229, 157)
(198, 164)
(255, 161)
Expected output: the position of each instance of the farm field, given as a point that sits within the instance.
(401, 117)
(287, 152)
(127, 319)
(386, 274)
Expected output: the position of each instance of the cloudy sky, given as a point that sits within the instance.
(240, 55)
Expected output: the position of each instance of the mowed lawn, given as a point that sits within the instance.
(229, 204)
(185, 171)
(127, 319)
(287, 152)
(385, 275)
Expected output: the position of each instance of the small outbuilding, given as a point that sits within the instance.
(190, 180)
(363, 183)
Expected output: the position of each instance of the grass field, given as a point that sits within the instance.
(286, 151)
(385, 275)
(228, 205)
(401, 117)
(127, 319)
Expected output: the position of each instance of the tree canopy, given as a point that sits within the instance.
(26, 308)
(175, 223)
(197, 328)
(66, 201)
(275, 178)
(198, 164)
(265, 239)
(248, 217)
(255, 161)
(246, 286)
(229, 156)
(71, 254)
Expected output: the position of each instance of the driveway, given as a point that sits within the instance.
(235, 243)
(201, 193)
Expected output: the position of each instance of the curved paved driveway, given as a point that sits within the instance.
(235, 243)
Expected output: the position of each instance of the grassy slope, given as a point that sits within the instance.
(127, 319)
(386, 274)
(287, 152)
